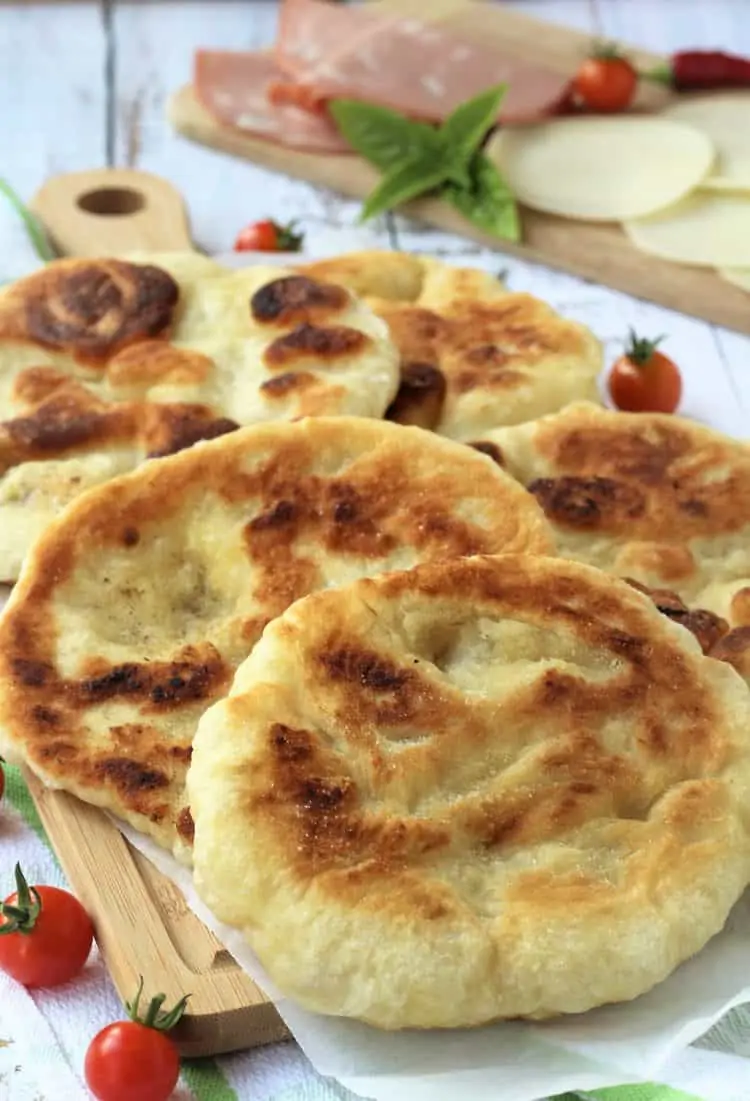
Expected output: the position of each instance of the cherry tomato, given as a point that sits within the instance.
(645, 380)
(45, 934)
(128, 1060)
(606, 81)
(268, 236)
(135, 1058)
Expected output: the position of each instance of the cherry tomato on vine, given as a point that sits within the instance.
(135, 1058)
(645, 380)
(268, 236)
(45, 934)
(606, 81)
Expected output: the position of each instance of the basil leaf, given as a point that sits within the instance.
(384, 137)
(459, 174)
(466, 128)
(488, 203)
(416, 158)
(402, 183)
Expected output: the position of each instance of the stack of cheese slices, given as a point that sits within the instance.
(678, 181)
(341, 584)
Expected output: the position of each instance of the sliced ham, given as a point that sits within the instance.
(312, 32)
(419, 69)
(314, 36)
(233, 88)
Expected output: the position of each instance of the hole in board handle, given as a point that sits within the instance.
(112, 201)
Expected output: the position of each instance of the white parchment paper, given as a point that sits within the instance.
(512, 1060)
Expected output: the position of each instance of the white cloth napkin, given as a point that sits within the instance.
(44, 1033)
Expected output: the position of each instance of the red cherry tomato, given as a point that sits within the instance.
(268, 236)
(645, 380)
(606, 82)
(45, 935)
(128, 1060)
(135, 1058)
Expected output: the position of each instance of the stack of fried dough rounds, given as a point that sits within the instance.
(655, 498)
(104, 363)
(339, 583)
(136, 606)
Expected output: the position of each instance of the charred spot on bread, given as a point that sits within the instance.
(321, 343)
(296, 299)
(588, 502)
(95, 307)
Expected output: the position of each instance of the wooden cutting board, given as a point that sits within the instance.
(143, 925)
(600, 252)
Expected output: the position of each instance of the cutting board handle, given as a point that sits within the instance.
(112, 210)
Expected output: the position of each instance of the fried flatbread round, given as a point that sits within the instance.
(657, 498)
(100, 439)
(173, 337)
(473, 355)
(135, 607)
(485, 788)
(380, 275)
(501, 362)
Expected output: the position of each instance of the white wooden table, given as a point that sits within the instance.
(85, 84)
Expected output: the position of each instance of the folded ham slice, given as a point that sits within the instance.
(419, 69)
(233, 86)
(311, 32)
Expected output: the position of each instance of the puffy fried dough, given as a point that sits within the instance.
(135, 607)
(483, 788)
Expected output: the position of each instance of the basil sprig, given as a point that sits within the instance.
(447, 161)
(32, 225)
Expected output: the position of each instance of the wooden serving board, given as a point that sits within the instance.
(144, 927)
(600, 252)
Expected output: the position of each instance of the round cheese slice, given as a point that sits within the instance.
(724, 120)
(711, 228)
(740, 277)
(603, 169)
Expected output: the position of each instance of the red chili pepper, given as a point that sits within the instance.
(696, 69)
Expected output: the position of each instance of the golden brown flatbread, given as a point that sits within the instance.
(473, 355)
(383, 275)
(649, 496)
(106, 362)
(483, 788)
(136, 605)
